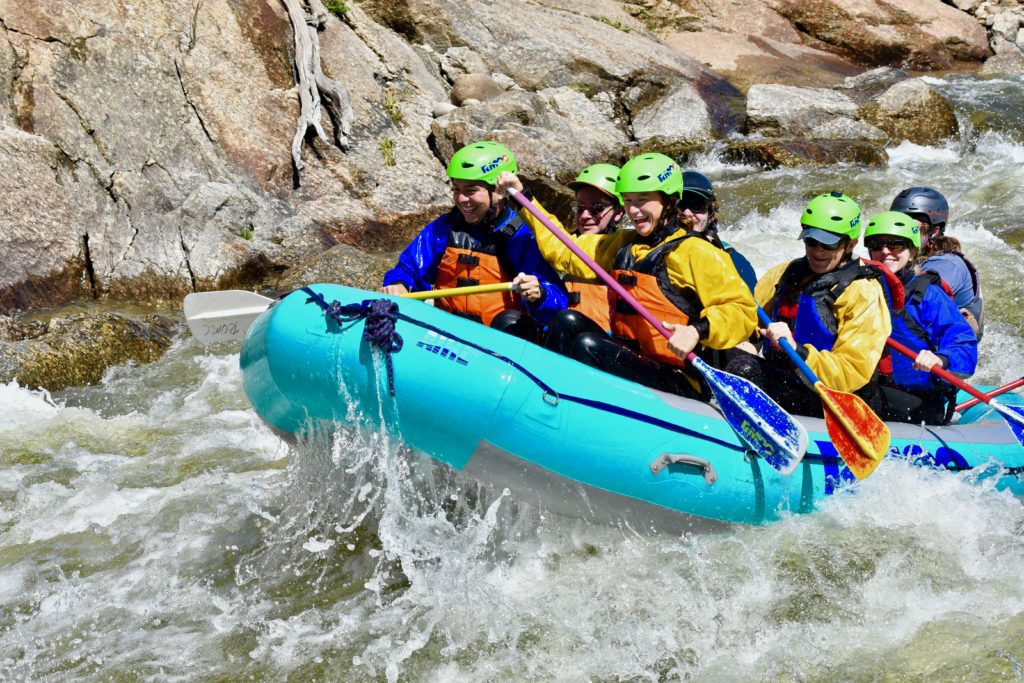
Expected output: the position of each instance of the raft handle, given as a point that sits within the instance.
(666, 459)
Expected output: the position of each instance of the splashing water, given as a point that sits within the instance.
(153, 528)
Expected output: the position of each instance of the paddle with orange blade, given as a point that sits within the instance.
(1014, 415)
(859, 435)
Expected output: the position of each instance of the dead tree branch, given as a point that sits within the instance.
(316, 90)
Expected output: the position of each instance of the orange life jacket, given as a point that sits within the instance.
(466, 268)
(591, 299)
(648, 282)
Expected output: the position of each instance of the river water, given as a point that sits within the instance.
(152, 528)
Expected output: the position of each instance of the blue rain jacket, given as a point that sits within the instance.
(417, 264)
(948, 336)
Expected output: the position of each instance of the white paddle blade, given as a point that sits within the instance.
(1014, 416)
(222, 316)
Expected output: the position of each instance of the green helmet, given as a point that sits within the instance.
(482, 161)
(600, 176)
(897, 224)
(651, 173)
(832, 213)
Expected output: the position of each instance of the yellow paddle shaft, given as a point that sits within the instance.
(460, 291)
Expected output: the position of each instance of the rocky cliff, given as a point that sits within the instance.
(146, 145)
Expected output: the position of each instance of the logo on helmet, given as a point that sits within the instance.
(855, 221)
(488, 167)
(667, 173)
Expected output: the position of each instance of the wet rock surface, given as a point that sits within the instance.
(76, 349)
(146, 151)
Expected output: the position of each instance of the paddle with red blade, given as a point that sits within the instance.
(1014, 415)
(760, 422)
(859, 435)
(1009, 386)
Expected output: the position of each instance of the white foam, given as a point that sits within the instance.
(907, 154)
(21, 406)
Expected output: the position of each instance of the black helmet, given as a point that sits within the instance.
(698, 183)
(925, 202)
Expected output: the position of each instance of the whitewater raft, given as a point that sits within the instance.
(551, 430)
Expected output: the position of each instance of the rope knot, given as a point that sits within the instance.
(378, 330)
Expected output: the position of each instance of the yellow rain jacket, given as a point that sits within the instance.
(695, 265)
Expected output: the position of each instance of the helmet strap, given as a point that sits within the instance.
(493, 208)
(848, 250)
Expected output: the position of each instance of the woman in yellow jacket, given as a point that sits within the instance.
(829, 305)
(679, 277)
(597, 209)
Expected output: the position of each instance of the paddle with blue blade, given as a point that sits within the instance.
(227, 314)
(761, 423)
(859, 435)
(1014, 415)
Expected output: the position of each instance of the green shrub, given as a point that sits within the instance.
(387, 150)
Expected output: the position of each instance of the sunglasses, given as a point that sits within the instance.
(694, 202)
(594, 210)
(813, 243)
(895, 246)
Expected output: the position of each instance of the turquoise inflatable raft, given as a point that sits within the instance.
(579, 441)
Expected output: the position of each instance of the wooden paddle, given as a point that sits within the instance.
(758, 420)
(226, 315)
(1009, 386)
(859, 435)
(1014, 415)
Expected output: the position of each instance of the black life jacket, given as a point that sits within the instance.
(806, 302)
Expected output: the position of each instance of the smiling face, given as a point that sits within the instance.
(894, 252)
(595, 211)
(644, 209)
(926, 231)
(822, 259)
(694, 210)
(694, 221)
(474, 199)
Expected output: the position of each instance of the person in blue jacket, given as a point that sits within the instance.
(942, 254)
(481, 240)
(928, 323)
(698, 211)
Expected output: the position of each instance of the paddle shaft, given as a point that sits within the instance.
(942, 372)
(799, 362)
(1011, 414)
(593, 265)
(226, 315)
(460, 291)
(1015, 384)
(816, 383)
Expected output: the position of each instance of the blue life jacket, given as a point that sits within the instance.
(805, 301)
